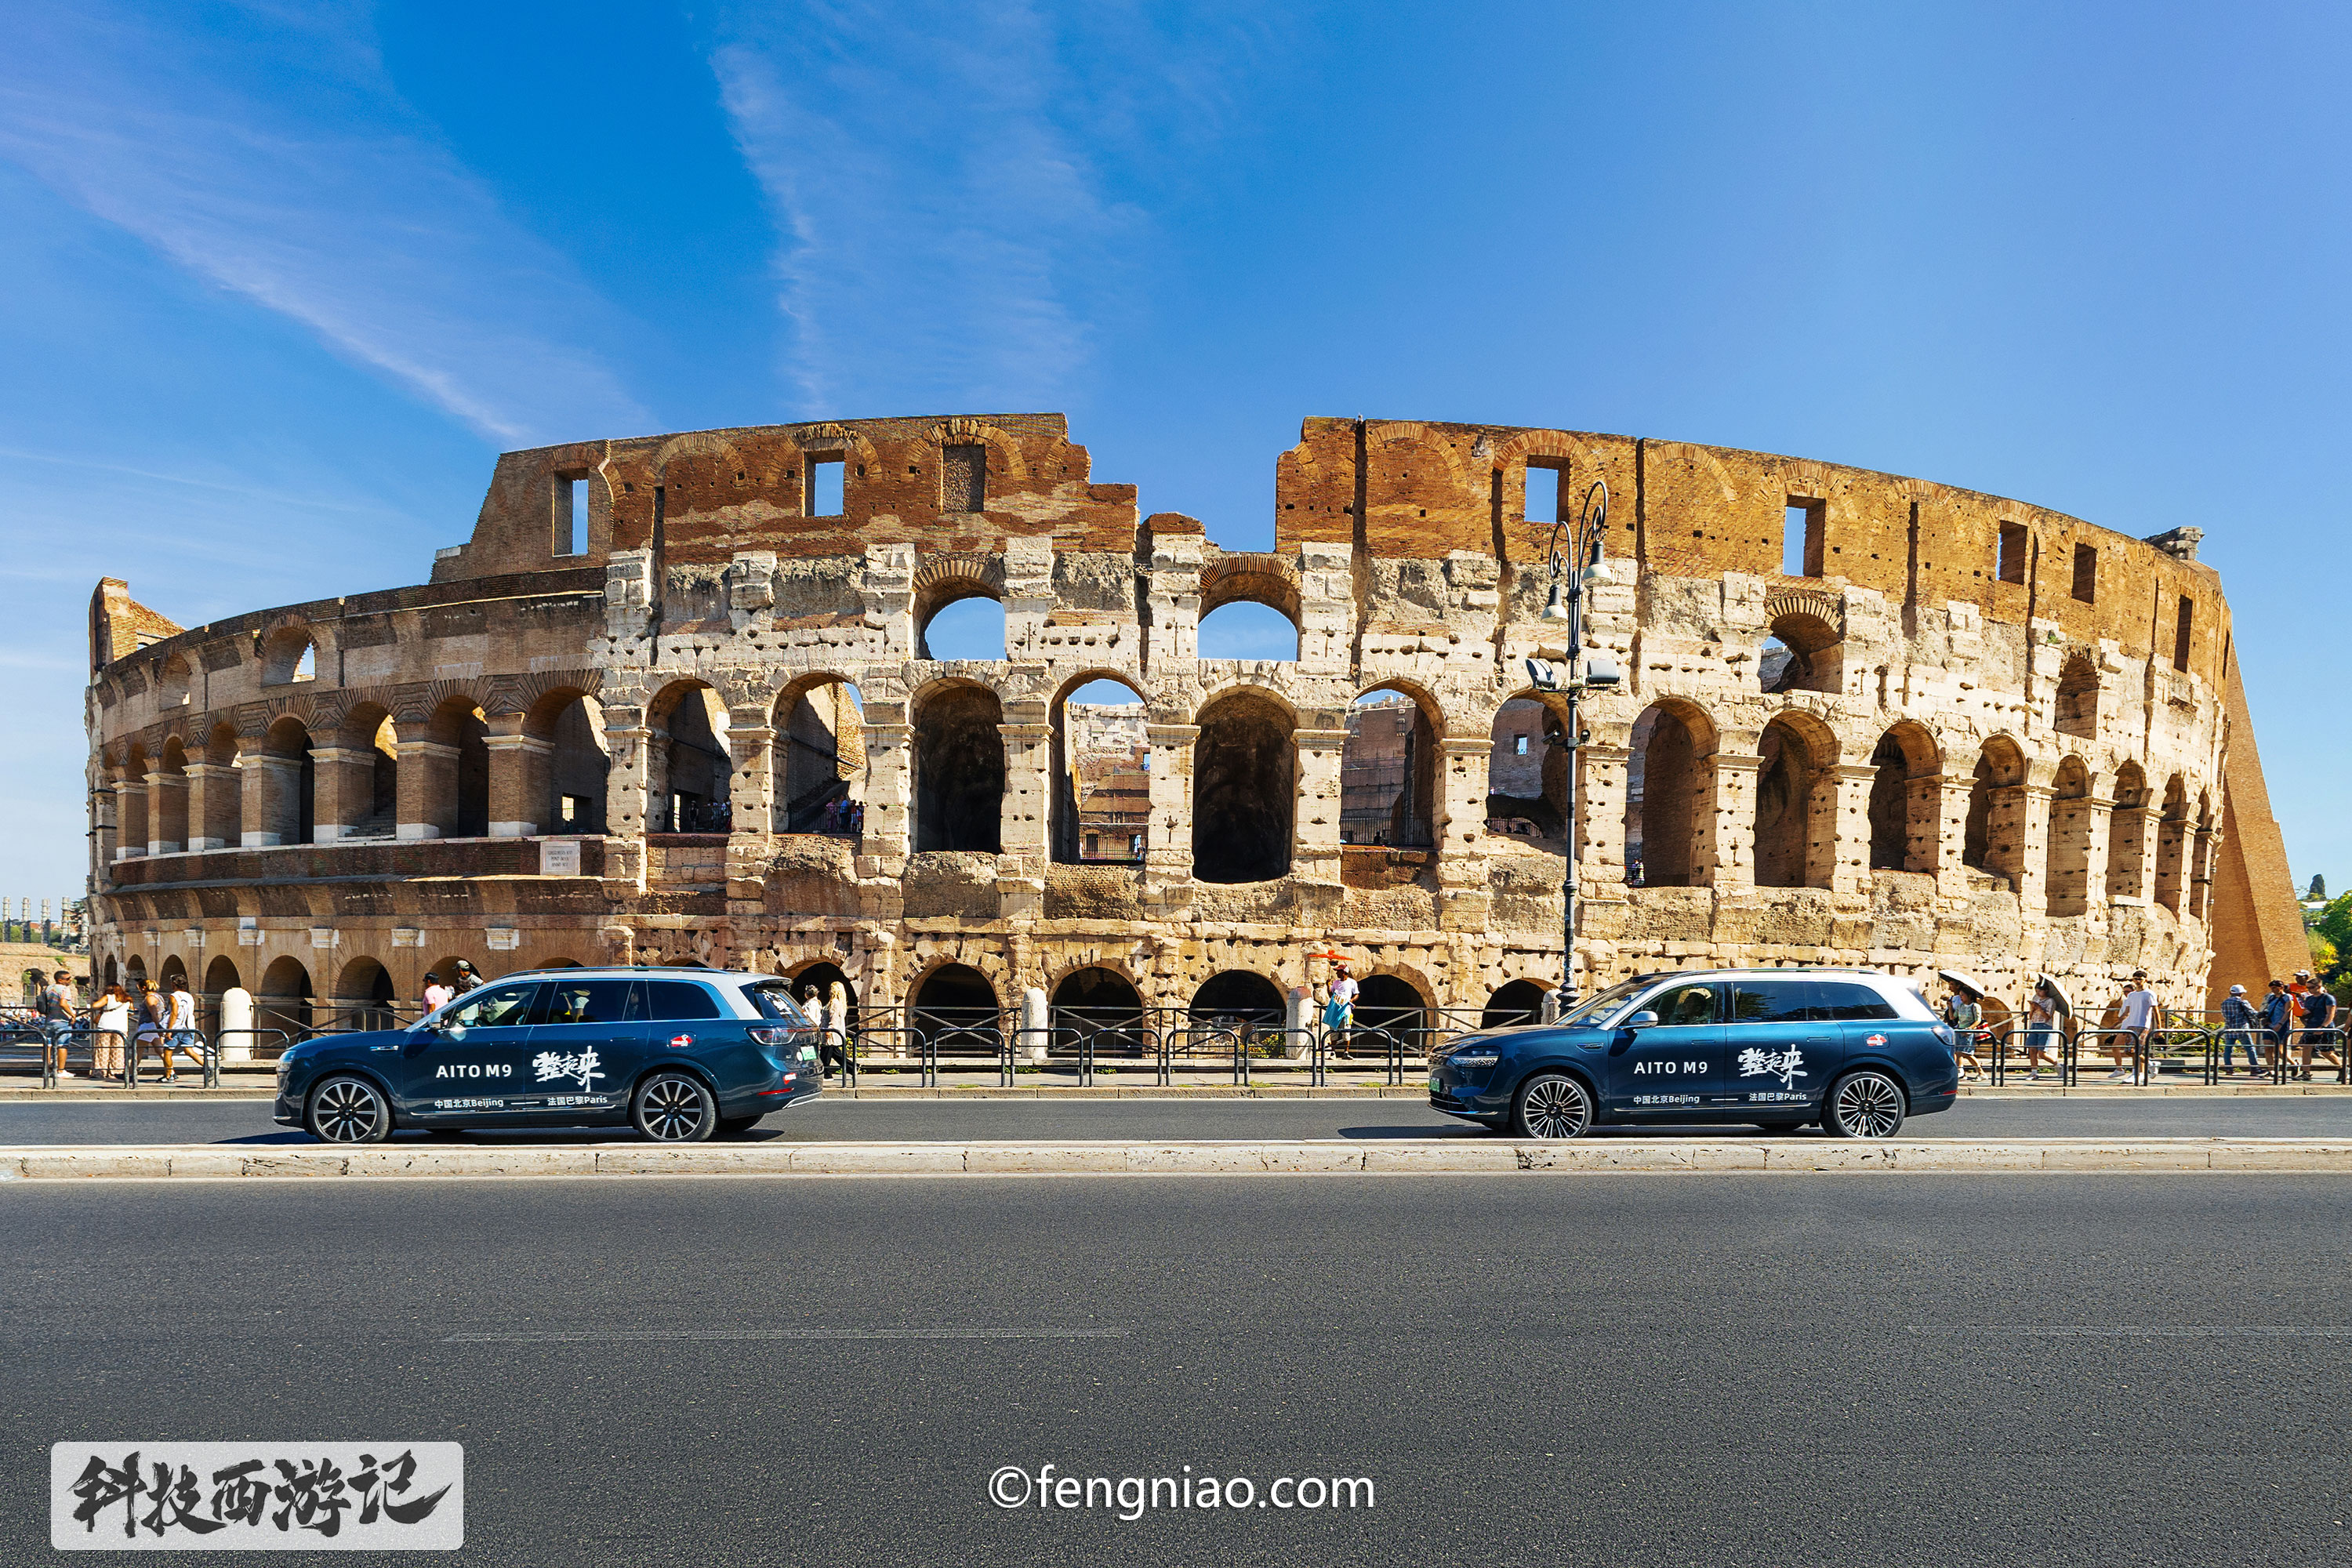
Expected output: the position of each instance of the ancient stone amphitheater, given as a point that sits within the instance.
(700, 722)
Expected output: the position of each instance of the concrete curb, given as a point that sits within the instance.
(1334, 1157)
(265, 1090)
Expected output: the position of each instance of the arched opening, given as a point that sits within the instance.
(134, 979)
(111, 976)
(579, 767)
(1905, 797)
(959, 770)
(967, 625)
(2172, 844)
(2128, 836)
(2078, 698)
(174, 973)
(1247, 629)
(688, 766)
(374, 809)
(1526, 775)
(289, 655)
(462, 801)
(167, 800)
(1796, 655)
(1100, 1006)
(1796, 808)
(221, 823)
(1243, 790)
(364, 997)
(220, 978)
(820, 762)
(1662, 786)
(1514, 1002)
(173, 681)
(820, 982)
(131, 803)
(1994, 838)
(1102, 775)
(1237, 999)
(284, 1000)
(1388, 772)
(2067, 867)
(1391, 1005)
(956, 1010)
(292, 779)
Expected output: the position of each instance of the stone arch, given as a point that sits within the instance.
(820, 756)
(1669, 796)
(950, 577)
(1239, 998)
(284, 1000)
(1526, 772)
(1004, 458)
(2065, 881)
(566, 785)
(370, 738)
(1809, 627)
(1101, 779)
(1394, 999)
(2127, 835)
(2173, 835)
(1387, 767)
(364, 997)
(1514, 1001)
(174, 679)
(289, 654)
(1100, 1003)
(457, 768)
(167, 797)
(1244, 787)
(288, 772)
(956, 1008)
(1993, 839)
(1906, 799)
(689, 766)
(1796, 803)
(958, 766)
(2077, 712)
(1230, 581)
(824, 973)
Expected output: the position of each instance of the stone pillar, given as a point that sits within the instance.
(625, 794)
(2031, 805)
(2094, 858)
(2127, 876)
(268, 794)
(521, 766)
(1168, 839)
(1022, 826)
(1464, 897)
(213, 816)
(428, 782)
(1315, 826)
(2171, 856)
(1849, 784)
(1952, 833)
(129, 817)
(167, 812)
(1600, 785)
(1922, 823)
(1724, 859)
(890, 768)
(344, 778)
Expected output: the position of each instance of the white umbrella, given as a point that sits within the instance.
(2065, 1003)
(1967, 983)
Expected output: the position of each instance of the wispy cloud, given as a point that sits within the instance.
(962, 190)
(277, 162)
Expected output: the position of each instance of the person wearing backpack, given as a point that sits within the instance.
(2318, 1031)
(56, 1005)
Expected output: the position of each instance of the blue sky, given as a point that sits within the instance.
(281, 279)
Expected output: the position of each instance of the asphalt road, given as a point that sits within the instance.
(167, 1121)
(1625, 1371)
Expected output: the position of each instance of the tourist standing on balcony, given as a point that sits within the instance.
(56, 1003)
(2238, 1022)
(2138, 1021)
(435, 993)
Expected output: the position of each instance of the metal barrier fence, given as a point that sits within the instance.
(2203, 1053)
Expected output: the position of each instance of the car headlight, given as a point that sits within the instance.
(1474, 1059)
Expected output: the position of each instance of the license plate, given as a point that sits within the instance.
(1433, 1086)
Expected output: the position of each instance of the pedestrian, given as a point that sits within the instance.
(148, 1006)
(2318, 1031)
(467, 979)
(2043, 1011)
(180, 1027)
(1962, 1012)
(436, 995)
(2278, 1016)
(1339, 1003)
(56, 1003)
(2138, 1022)
(2238, 1022)
(111, 1019)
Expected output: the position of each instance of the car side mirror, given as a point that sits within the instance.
(1644, 1019)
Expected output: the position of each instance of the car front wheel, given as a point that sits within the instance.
(1866, 1105)
(350, 1110)
(1552, 1106)
(674, 1107)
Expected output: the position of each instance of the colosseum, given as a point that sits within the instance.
(662, 707)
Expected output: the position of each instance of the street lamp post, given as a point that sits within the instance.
(1572, 679)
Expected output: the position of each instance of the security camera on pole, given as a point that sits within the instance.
(1572, 675)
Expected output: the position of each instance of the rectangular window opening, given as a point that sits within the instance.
(2086, 574)
(1803, 545)
(572, 514)
(1543, 494)
(2180, 629)
(963, 477)
(2011, 560)
(825, 488)
(1520, 746)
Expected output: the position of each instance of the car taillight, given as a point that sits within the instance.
(767, 1036)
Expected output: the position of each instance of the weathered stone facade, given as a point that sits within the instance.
(1999, 739)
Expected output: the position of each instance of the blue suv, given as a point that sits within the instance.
(678, 1054)
(1852, 1049)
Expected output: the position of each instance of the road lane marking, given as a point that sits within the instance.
(573, 1337)
(2137, 1330)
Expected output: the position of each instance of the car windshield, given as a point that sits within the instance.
(1600, 1012)
(774, 1000)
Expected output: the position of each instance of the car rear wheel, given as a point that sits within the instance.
(1866, 1104)
(674, 1107)
(349, 1110)
(1551, 1106)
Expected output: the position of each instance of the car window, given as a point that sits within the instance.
(495, 1006)
(774, 1000)
(1845, 999)
(1602, 1010)
(587, 1002)
(670, 999)
(1684, 1005)
(1776, 1002)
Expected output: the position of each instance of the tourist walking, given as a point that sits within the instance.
(2138, 1022)
(435, 993)
(1339, 1004)
(2318, 1031)
(180, 1028)
(2278, 1021)
(2238, 1022)
(56, 1003)
(111, 1019)
(1966, 1017)
(2043, 1011)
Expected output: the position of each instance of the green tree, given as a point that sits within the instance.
(2334, 926)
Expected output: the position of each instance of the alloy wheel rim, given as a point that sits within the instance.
(673, 1109)
(347, 1113)
(1556, 1109)
(1870, 1107)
